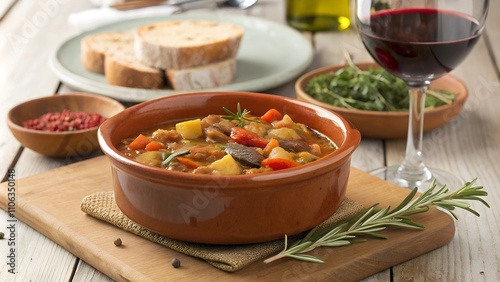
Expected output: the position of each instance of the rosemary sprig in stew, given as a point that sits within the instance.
(167, 158)
(240, 116)
(370, 222)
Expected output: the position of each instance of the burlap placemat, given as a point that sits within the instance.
(225, 257)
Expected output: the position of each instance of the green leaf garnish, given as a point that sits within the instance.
(167, 158)
(240, 116)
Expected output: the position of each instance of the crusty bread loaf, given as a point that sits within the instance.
(207, 76)
(185, 44)
(95, 46)
(122, 68)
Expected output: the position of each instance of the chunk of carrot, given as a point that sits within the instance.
(271, 115)
(279, 163)
(139, 143)
(189, 163)
(154, 146)
(273, 143)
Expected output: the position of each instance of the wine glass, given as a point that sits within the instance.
(419, 41)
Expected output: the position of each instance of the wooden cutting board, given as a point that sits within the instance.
(50, 203)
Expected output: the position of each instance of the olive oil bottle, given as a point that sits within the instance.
(318, 15)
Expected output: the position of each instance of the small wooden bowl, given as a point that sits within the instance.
(60, 144)
(388, 125)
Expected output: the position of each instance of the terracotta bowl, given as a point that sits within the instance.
(228, 209)
(375, 124)
(60, 144)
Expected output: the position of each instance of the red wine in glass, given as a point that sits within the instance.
(419, 44)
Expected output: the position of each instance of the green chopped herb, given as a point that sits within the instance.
(374, 89)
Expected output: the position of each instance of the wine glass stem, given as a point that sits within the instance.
(413, 170)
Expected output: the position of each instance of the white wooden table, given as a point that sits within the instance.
(469, 145)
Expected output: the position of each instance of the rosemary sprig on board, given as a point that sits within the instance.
(370, 222)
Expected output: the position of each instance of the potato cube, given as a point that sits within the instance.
(280, 153)
(190, 129)
(226, 166)
(152, 158)
(284, 133)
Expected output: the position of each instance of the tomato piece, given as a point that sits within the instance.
(279, 163)
(154, 146)
(271, 115)
(247, 138)
(188, 162)
(139, 143)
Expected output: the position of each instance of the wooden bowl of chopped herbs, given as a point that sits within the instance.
(376, 102)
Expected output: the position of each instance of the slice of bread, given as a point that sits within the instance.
(122, 68)
(201, 55)
(185, 44)
(207, 76)
(95, 46)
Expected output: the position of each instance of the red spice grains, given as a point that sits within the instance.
(64, 121)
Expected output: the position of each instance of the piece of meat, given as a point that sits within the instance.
(225, 126)
(294, 145)
(205, 153)
(166, 136)
(210, 120)
(248, 156)
(215, 120)
(216, 135)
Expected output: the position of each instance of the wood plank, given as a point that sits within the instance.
(30, 33)
(467, 146)
(25, 46)
(330, 48)
(35, 255)
(491, 31)
(86, 273)
(91, 239)
(31, 163)
(273, 10)
(5, 7)
(364, 159)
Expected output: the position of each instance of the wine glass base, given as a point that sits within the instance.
(442, 177)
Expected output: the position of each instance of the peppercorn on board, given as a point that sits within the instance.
(50, 203)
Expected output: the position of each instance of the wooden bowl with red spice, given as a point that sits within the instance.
(62, 125)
